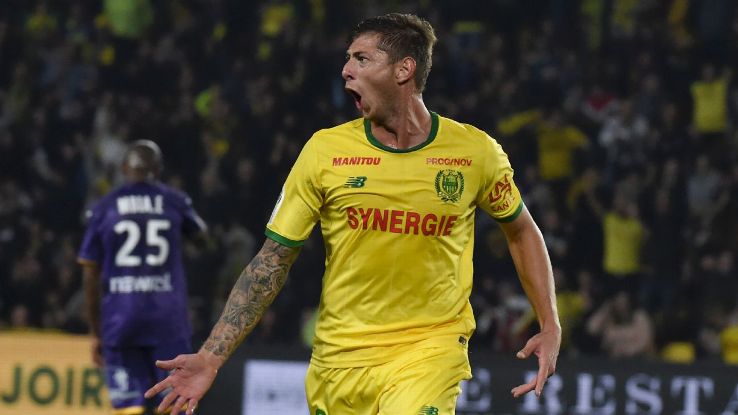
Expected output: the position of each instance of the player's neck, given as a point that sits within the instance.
(408, 125)
(140, 179)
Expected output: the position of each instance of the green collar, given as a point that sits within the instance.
(378, 144)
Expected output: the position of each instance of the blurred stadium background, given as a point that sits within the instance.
(620, 117)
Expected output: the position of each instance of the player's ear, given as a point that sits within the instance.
(405, 70)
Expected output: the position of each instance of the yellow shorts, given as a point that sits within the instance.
(422, 382)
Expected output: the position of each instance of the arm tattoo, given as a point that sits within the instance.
(256, 288)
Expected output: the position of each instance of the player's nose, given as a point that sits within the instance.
(347, 71)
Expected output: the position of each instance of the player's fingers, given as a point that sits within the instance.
(167, 401)
(156, 389)
(179, 405)
(521, 390)
(543, 370)
(166, 364)
(526, 351)
(191, 406)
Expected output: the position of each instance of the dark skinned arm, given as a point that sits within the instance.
(91, 280)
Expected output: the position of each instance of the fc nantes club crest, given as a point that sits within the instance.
(449, 185)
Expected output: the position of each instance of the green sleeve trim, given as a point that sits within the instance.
(513, 216)
(281, 239)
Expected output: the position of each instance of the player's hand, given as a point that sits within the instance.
(96, 349)
(190, 376)
(546, 346)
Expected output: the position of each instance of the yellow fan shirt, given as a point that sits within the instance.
(398, 228)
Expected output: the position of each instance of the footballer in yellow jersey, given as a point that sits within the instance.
(398, 228)
(395, 193)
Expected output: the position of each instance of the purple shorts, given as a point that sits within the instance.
(130, 371)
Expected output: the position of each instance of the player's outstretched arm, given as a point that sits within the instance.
(256, 288)
(530, 256)
(191, 375)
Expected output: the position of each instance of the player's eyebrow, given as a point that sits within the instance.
(355, 54)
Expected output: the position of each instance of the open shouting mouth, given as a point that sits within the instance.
(357, 98)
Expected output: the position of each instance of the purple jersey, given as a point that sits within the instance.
(134, 234)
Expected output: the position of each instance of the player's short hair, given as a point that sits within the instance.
(144, 159)
(402, 35)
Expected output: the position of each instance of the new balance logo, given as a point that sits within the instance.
(428, 410)
(355, 181)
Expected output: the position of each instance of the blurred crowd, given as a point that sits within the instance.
(620, 118)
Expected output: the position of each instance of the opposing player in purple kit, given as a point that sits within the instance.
(135, 285)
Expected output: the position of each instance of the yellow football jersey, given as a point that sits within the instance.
(398, 227)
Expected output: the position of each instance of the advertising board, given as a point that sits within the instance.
(49, 373)
(581, 386)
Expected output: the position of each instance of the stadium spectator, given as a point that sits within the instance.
(703, 189)
(663, 254)
(586, 208)
(710, 110)
(624, 235)
(558, 145)
(625, 330)
(623, 138)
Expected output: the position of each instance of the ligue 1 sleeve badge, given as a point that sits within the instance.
(449, 185)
